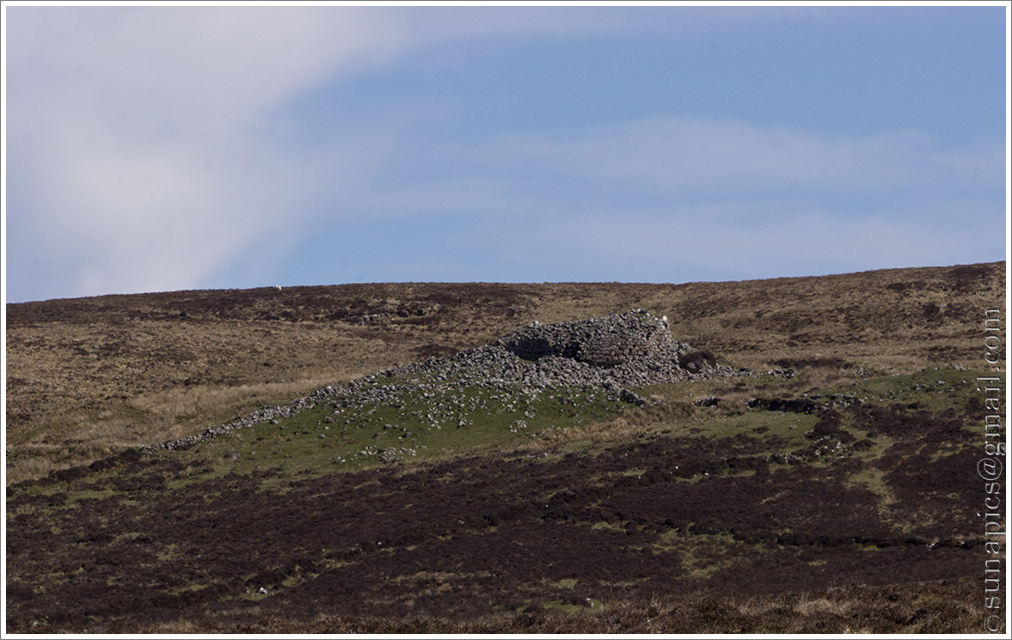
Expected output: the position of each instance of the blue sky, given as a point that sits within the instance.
(160, 148)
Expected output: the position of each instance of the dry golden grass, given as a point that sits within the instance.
(90, 376)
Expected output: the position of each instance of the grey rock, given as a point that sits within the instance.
(627, 350)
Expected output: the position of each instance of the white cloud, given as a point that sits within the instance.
(186, 67)
(145, 138)
(733, 240)
(142, 136)
(145, 151)
(690, 156)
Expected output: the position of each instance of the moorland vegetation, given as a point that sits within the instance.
(811, 469)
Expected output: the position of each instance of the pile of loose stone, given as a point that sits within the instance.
(604, 342)
(633, 349)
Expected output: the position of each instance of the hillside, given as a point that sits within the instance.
(86, 377)
(811, 468)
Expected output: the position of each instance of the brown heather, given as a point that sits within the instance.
(942, 605)
(87, 377)
(673, 517)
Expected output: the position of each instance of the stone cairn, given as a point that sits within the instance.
(602, 342)
(632, 349)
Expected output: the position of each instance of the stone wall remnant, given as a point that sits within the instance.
(603, 342)
(632, 349)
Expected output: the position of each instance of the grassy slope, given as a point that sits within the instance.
(876, 462)
(87, 377)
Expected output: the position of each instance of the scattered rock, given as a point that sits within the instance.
(633, 349)
(707, 402)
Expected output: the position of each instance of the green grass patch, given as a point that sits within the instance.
(932, 389)
(74, 496)
(409, 422)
